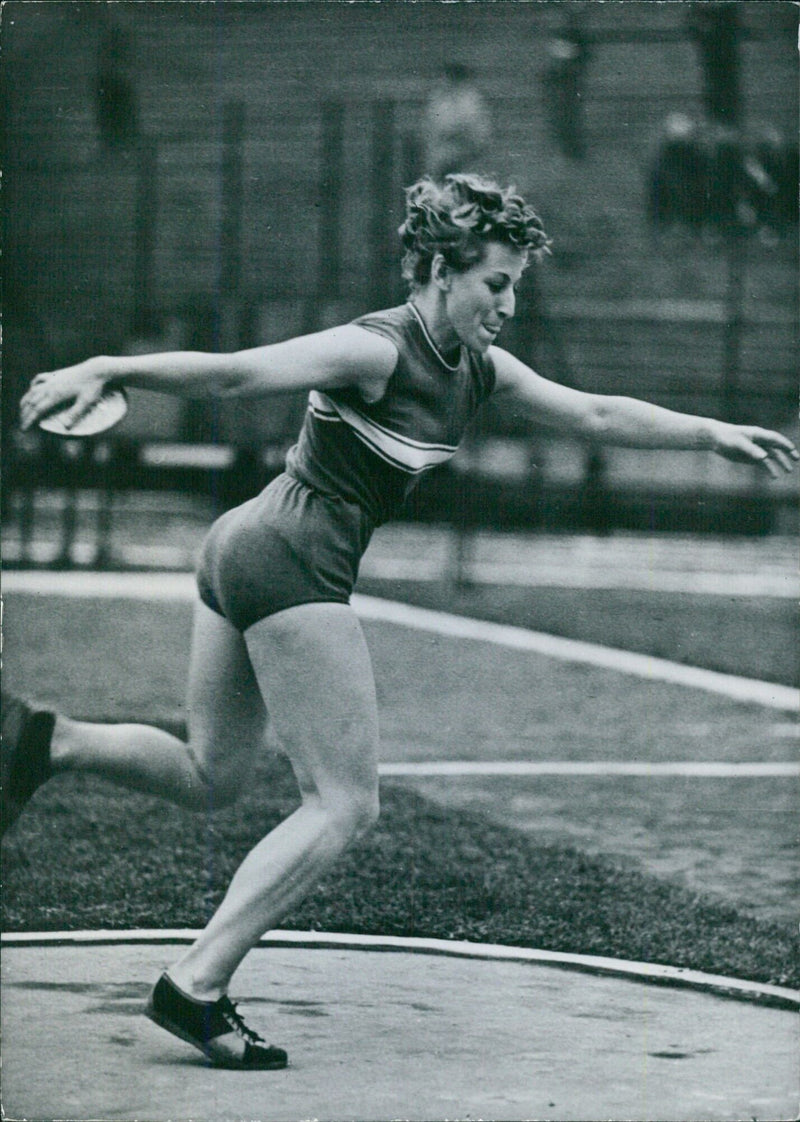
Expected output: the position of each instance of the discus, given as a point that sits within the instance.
(106, 412)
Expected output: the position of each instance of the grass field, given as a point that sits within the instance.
(89, 855)
(751, 636)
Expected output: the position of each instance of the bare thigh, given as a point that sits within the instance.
(315, 675)
(227, 719)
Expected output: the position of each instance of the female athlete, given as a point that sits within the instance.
(389, 397)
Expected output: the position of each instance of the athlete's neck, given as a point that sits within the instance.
(430, 308)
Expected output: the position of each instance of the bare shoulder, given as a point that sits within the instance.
(509, 372)
(361, 346)
(363, 358)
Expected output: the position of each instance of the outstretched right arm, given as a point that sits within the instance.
(341, 356)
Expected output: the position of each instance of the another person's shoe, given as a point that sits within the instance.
(215, 1027)
(24, 754)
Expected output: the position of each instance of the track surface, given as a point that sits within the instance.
(381, 1036)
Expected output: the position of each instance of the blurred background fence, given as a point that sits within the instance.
(219, 175)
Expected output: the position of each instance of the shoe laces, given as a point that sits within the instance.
(234, 1018)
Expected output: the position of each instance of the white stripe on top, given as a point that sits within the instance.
(413, 456)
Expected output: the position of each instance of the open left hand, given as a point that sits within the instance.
(748, 444)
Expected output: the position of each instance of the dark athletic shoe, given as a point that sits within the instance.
(24, 755)
(214, 1027)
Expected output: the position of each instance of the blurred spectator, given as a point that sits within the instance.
(715, 29)
(712, 178)
(456, 125)
(116, 103)
(771, 166)
(678, 176)
(563, 81)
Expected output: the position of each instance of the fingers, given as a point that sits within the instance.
(776, 440)
(772, 450)
(776, 448)
(37, 402)
(782, 459)
(74, 386)
(771, 459)
(78, 410)
(765, 460)
(31, 408)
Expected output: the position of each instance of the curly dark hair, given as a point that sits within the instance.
(458, 217)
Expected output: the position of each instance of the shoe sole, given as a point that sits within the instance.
(227, 1063)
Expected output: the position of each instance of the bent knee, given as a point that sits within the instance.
(368, 812)
(211, 789)
(353, 814)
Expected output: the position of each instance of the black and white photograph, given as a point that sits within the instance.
(400, 561)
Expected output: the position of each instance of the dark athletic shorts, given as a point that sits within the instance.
(289, 545)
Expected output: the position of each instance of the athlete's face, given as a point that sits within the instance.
(480, 300)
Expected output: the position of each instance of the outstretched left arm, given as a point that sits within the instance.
(606, 419)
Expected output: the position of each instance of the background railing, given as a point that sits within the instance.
(249, 185)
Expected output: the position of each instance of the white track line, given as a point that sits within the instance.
(599, 768)
(594, 964)
(102, 586)
(572, 573)
(780, 586)
(572, 650)
(181, 586)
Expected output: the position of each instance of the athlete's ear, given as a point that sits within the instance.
(441, 273)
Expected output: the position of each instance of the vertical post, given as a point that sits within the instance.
(102, 456)
(232, 190)
(595, 515)
(71, 453)
(27, 518)
(411, 157)
(736, 246)
(25, 462)
(233, 423)
(382, 263)
(144, 237)
(329, 264)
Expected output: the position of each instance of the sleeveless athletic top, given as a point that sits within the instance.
(372, 454)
